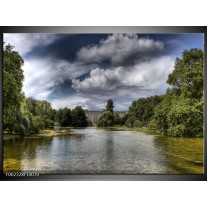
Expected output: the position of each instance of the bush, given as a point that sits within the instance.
(130, 121)
(37, 124)
(106, 119)
(138, 124)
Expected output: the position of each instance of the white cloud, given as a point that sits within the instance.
(70, 102)
(119, 48)
(145, 75)
(123, 85)
(25, 42)
(41, 75)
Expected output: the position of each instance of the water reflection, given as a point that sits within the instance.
(183, 155)
(89, 151)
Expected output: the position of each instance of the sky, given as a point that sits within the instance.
(86, 70)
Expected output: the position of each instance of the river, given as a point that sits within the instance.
(99, 151)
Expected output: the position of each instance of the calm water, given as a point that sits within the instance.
(92, 151)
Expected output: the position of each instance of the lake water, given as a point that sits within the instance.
(98, 151)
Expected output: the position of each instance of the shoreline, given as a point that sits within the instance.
(66, 131)
(43, 133)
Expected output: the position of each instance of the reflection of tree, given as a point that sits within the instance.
(182, 155)
(109, 147)
(24, 148)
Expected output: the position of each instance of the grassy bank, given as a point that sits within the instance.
(124, 128)
(44, 133)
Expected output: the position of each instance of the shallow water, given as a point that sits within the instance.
(97, 151)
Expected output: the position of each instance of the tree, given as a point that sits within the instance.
(22, 125)
(79, 117)
(65, 117)
(106, 119)
(109, 106)
(130, 121)
(12, 86)
(180, 112)
(187, 76)
(37, 124)
(142, 110)
(117, 119)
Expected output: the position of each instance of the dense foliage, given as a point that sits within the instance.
(12, 86)
(181, 111)
(79, 117)
(109, 118)
(141, 111)
(23, 115)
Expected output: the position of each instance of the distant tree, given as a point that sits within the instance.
(37, 124)
(79, 117)
(109, 106)
(130, 121)
(138, 124)
(106, 119)
(65, 117)
(117, 120)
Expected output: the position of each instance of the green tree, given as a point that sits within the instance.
(109, 106)
(65, 117)
(106, 119)
(143, 109)
(37, 124)
(40, 108)
(12, 86)
(187, 76)
(117, 120)
(130, 121)
(22, 125)
(79, 117)
(181, 111)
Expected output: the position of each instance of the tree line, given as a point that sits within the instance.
(23, 115)
(179, 112)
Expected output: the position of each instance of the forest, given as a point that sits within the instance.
(179, 112)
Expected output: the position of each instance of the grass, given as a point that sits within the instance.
(44, 133)
(124, 128)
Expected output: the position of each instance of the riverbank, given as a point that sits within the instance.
(44, 133)
(142, 129)
(124, 128)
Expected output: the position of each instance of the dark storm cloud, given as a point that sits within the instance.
(61, 89)
(120, 49)
(65, 47)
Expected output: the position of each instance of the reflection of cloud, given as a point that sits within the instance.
(119, 49)
(24, 43)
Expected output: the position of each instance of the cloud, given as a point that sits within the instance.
(122, 67)
(120, 49)
(25, 43)
(43, 76)
(145, 75)
(124, 85)
(70, 102)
